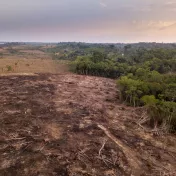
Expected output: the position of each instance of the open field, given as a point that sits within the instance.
(70, 125)
(29, 59)
(62, 124)
(32, 66)
(23, 52)
(32, 51)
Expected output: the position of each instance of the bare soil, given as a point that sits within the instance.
(70, 125)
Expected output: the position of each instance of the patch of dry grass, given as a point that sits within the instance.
(32, 66)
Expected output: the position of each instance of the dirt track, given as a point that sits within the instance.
(70, 125)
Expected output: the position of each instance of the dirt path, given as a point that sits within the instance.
(71, 125)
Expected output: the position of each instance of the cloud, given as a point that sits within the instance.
(169, 26)
(103, 4)
(163, 6)
(95, 20)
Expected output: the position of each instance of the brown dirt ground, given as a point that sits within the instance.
(70, 125)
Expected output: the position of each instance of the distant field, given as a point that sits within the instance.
(32, 66)
(23, 52)
(28, 59)
(32, 51)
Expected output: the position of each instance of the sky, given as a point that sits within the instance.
(93, 21)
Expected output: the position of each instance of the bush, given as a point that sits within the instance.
(161, 112)
(9, 68)
(90, 65)
(158, 97)
(132, 90)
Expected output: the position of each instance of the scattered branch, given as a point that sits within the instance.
(130, 155)
(104, 142)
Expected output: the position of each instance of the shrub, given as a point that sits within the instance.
(9, 68)
(132, 90)
(160, 112)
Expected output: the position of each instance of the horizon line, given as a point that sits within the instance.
(48, 42)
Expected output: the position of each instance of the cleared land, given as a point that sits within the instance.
(57, 123)
(29, 59)
(70, 125)
(9, 66)
(23, 52)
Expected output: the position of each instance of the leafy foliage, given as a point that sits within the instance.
(97, 64)
(154, 90)
(161, 112)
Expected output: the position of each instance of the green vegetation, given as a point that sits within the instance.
(156, 91)
(98, 64)
(9, 68)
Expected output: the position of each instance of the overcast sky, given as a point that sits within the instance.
(88, 20)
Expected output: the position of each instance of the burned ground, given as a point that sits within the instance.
(70, 125)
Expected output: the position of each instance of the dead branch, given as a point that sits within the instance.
(16, 139)
(105, 140)
(130, 155)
